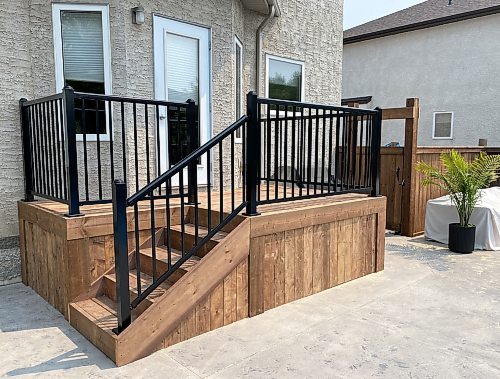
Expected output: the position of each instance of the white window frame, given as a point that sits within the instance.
(58, 52)
(238, 44)
(287, 60)
(434, 125)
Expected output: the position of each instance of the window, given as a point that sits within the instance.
(443, 125)
(82, 57)
(238, 83)
(284, 79)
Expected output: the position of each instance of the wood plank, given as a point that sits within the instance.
(308, 260)
(398, 113)
(279, 269)
(217, 307)
(203, 316)
(333, 255)
(317, 258)
(289, 252)
(299, 263)
(268, 270)
(230, 298)
(256, 280)
(242, 282)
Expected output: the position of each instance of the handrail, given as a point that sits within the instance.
(45, 99)
(288, 103)
(132, 200)
(97, 96)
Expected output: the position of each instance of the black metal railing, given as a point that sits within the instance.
(222, 154)
(312, 150)
(76, 144)
(289, 151)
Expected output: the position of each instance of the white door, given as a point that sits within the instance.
(182, 72)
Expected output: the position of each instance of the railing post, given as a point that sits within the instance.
(375, 147)
(121, 254)
(71, 154)
(253, 147)
(28, 159)
(193, 145)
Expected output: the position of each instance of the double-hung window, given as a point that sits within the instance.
(82, 60)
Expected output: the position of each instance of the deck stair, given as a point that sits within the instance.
(94, 314)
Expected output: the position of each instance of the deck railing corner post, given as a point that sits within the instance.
(119, 196)
(27, 157)
(71, 151)
(253, 153)
(191, 119)
(375, 143)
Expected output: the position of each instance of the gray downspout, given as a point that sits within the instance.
(258, 59)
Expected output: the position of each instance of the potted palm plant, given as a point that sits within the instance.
(463, 181)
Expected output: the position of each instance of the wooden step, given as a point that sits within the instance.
(189, 234)
(96, 318)
(162, 262)
(146, 281)
(215, 218)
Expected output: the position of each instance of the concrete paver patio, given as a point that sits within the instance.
(431, 313)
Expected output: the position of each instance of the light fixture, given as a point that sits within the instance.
(138, 15)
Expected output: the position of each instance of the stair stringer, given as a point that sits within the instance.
(147, 333)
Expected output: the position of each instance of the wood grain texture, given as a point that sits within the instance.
(325, 251)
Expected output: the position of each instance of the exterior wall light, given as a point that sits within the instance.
(138, 15)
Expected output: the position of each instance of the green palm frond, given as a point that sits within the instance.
(462, 180)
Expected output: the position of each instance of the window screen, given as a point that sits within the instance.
(284, 80)
(443, 125)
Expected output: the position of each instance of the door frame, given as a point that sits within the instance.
(160, 23)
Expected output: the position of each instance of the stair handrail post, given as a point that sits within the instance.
(71, 151)
(119, 194)
(27, 157)
(253, 154)
(191, 119)
(376, 140)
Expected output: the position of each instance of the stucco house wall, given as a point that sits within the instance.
(453, 67)
(311, 32)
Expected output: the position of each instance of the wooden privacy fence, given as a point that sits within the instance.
(399, 180)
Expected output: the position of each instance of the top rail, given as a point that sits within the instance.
(42, 100)
(298, 104)
(136, 100)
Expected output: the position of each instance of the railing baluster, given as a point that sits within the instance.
(85, 151)
(124, 142)
(221, 183)
(316, 151)
(137, 249)
(233, 158)
(153, 235)
(110, 130)
(146, 128)
(183, 222)
(136, 152)
(209, 191)
(293, 174)
(323, 148)
(98, 147)
(60, 156)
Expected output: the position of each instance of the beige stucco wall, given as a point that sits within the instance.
(452, 67)
(308, 31)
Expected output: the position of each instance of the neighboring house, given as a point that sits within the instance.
(444, 52)
(165, 49)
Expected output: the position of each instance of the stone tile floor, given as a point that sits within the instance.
(430, 314)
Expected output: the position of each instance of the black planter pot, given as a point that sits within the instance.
(462, 238)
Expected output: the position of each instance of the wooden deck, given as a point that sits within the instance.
(293, 249)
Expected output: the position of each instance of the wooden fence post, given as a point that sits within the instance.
(409, 173)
